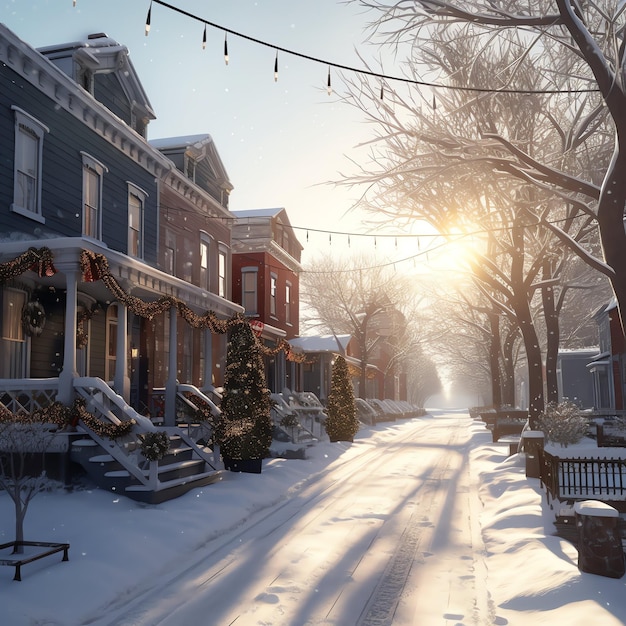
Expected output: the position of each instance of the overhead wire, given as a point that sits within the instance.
(348, 68)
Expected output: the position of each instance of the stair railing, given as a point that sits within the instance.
(106, 404)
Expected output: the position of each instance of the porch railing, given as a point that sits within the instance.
(25, 395)
(103, 402)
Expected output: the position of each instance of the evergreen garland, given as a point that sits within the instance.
(342, 423)
(246, 428)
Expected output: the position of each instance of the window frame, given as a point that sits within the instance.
(27, 125)
(205, 261)
(141, 196)
(273, 294)
(91, 165)
(222, 270)
(252, 294)
(288, 287)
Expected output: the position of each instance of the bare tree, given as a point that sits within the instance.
(357, 296)
(575, 48)
(24, 443)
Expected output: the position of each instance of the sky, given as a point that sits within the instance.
(518, 572)
(282, 142)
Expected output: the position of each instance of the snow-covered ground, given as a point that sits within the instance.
(524, 573)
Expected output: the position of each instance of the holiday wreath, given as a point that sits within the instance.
(33, 318)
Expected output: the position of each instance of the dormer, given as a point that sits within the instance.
(198, 159)
(103, 68)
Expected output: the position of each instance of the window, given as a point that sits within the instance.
(12, 341)
(169, 253)
(29, 134)
(222, 272)
(93, 172)
(13, 302)
(249, 289)
(273, 282)
(205, 250)
(288, 303)
(111, 342)
(136, 202)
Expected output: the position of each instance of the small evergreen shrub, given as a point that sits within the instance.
(563, 423)
(342, 422)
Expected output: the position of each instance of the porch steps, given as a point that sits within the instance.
(179, 471)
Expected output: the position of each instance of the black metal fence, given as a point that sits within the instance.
(583, 478)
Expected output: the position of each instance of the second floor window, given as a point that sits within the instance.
(222, 278)
(288, 303)
(93, 172)
(169, 253)
(249, 289)
(136, 203)
(205, 250)
(29, 134)
(273, 288)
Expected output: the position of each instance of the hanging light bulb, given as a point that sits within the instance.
(74, 3)
(329, 88)
(204, 38)
(382, 92)
(434, 103)
(276, 68)
(348, 241)
(226, 48)
(148, 18)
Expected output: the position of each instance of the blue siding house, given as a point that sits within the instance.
(87, 301)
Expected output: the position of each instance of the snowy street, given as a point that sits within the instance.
(385, 536)
(421, 522)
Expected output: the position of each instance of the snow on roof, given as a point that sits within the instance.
(322, 343)
(168, 143)
(258, 212)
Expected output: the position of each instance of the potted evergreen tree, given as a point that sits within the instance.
(342, 423)
(245, 434)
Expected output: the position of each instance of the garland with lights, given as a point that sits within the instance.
(154, 446)
(81, 334)
(38, 260)
(63, 416)
(96, 267)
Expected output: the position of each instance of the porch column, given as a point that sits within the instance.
(65, 394)
(172, 368)
(207, 383)
(121, 381)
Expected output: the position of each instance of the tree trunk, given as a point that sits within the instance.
(508, 367)
(494, 359)
(521, 306)
(611, 224)
(553, 335)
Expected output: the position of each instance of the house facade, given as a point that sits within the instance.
(114, 253)
(608, 367)
(265, 281)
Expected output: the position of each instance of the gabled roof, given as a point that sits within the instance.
(101, 54)
(200, 146)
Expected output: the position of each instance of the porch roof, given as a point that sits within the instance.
(143, 280)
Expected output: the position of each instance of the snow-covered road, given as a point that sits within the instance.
(384, 537)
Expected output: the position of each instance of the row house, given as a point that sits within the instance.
(265, 281)
(105, 239)
(608, 366)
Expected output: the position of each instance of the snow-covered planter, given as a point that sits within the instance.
(563, 423)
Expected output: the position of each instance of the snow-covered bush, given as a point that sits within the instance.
(563, 423)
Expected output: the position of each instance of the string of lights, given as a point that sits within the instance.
(339, 66)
